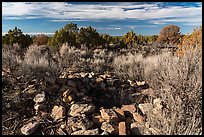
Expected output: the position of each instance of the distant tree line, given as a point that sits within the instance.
(90, 38)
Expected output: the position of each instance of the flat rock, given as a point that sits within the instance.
(97, 120)
(109, 114)
(110, 127)
(138, 117)
(131, 108)
(58, 112)
(120, 113)
(86, 132)
(122, 128)
(39, 98)
(30, 128)
(78, 109)
(79, 122)
(140, 83)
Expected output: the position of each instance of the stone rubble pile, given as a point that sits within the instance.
(87, 104)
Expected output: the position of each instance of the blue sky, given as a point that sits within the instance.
(113, 18)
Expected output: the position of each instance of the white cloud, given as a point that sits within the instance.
(110, 28)
(141, 26)
(59, 12)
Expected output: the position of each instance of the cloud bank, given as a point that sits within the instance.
(154, 13)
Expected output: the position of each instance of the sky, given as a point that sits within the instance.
(113, 18)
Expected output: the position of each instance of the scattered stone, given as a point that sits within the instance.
(39, 107)
(97, 120)
(58, 112)
(111, 128)
(140, 83)
(138, 118)
(30, 128)
(109, 114)
(104, 133)
(122, 128)
(120, 113)
(78, 109)
(67, 93)
(146, 107)
(70, 98)
(86, 132)
(39, 98)
(79, 122)
(131, 108)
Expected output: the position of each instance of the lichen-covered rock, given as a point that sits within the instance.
(86, 132)
(79, 122)
(78, 109)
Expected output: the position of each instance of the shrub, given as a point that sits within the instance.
(190, 42)
(129, 66)
(178, 82)
(38, 63)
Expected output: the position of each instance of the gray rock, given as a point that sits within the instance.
(78, 109)
(86, 132)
